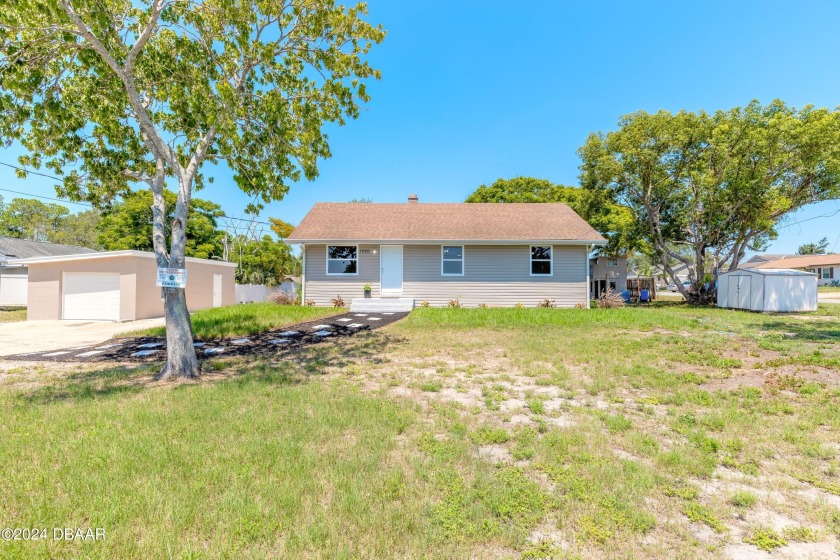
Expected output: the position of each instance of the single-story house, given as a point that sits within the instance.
(607, 273)
(761, 258)
(495, 254)
(826, 267)
(13, 282)
(117, 286)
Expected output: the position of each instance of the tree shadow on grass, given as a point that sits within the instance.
(826, 331)
(285, 367)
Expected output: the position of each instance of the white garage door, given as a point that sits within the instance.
(94, 297)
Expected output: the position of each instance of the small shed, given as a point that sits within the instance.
(774, 290)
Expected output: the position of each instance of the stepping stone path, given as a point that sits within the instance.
(154, 348)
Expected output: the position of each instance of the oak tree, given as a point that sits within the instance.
(714, 184)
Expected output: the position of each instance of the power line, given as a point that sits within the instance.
(89, 205)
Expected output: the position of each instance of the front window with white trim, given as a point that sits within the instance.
(541, 260)
(342, 259)
(452, 260)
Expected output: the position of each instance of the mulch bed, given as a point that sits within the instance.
(266, 343)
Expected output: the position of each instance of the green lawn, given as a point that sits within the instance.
(645, 432)
(246, 319)
(11, 314)
(828, 289)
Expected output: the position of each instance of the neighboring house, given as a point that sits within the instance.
(290, 285)
(13, 278)
(826, 267)
(495, 254)
(117, 286)
(757, 260)
(607, 273)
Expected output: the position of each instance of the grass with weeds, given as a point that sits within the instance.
(641, 432)
(766, 539)
(12, 314)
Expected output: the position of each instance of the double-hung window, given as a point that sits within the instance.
(452, 260)
(541, 262)
(342, 259)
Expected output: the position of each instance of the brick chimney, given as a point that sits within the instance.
(412, 199)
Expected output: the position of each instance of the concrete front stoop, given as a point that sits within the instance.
(382, 305)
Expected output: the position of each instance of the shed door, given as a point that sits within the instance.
(217, 290)
(91, 296)
(739, 292)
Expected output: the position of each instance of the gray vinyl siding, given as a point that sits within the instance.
(498, 275)
(321, 288)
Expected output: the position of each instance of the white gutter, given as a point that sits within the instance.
(588, 287)
(449, 241)
(107, 255)
(303, 275)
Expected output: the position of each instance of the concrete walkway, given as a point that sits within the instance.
(43, 336)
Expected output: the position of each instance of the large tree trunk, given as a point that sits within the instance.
(181, 360)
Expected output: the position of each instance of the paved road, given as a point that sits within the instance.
(43, 336)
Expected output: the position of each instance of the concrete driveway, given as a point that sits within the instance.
(43, 336)
(828, 297)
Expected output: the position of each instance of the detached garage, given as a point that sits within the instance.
(117, 286)
(772, 290)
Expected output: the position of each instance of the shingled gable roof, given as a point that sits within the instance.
(418, 222)
(15, 248)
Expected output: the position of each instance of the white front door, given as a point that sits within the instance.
(391, 268)
(217, 290)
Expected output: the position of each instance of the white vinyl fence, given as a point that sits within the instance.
(13, 289)
(254, 293)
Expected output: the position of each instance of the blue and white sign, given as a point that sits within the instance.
(171, 278)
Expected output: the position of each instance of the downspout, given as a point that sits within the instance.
(588, 287)
(303, 274)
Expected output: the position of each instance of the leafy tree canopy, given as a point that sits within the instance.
(29, 218)
(80, 229)
(613, 221)
(818, 248)
(281, 228)
(127, 224)
(263, 261)
(716, 183)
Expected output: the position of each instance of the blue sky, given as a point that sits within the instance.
(477, 90)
